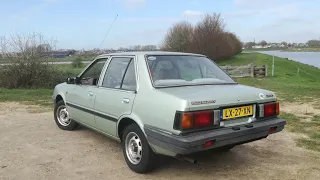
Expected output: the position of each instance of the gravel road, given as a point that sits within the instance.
(32, 147)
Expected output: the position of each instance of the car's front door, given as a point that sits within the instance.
(115, 94)
(80, 99)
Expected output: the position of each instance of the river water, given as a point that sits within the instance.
(311, 58)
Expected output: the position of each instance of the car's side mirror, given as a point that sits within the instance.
(70, 80)
(73, 80)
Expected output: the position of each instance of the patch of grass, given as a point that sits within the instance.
(286, 82)
(311, 129)
(29, 96)
(70, 68)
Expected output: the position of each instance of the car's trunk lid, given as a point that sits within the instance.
(206, 97)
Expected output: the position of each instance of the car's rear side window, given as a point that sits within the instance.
(120, 74)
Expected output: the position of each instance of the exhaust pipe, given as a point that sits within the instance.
(184, 158)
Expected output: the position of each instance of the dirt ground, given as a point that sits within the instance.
(32, 147)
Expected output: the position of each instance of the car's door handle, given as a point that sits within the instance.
(125, 100)
(90, 93)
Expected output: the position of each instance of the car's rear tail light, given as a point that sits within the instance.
(203, 118)
(187, 121)
(197, 119)
(269, 109)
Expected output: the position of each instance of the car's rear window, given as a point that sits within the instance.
(180, 70)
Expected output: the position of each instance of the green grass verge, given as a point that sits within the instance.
(35, 96)
(309, 128)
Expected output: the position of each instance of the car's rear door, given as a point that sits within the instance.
(116, 93)
(80, 97)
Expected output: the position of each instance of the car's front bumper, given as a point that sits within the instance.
(221, 137)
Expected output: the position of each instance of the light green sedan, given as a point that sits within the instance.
(165, 103)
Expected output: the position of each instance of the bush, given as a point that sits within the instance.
(208, 37)
(28, 66)
(77, 62)
(33, 76)
(179, 37)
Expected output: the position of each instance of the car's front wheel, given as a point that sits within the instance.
(61, 117)
(138, 154)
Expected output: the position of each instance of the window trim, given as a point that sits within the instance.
(104, 71)
(195, 55)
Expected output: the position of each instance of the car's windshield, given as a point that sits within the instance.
(180, 70)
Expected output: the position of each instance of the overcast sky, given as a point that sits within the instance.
(83, 23)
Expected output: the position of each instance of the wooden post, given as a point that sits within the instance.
(273, 65)
(252, 70)
(266, 70)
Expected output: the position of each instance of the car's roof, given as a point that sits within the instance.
(148, 53)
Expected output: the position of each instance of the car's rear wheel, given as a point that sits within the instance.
(137, 152)
(61, 117)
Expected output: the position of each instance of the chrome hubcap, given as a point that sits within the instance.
(133, 148)
(63, 116)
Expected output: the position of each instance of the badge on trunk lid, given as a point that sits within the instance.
(203, 102)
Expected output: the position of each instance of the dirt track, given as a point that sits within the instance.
(32, 147)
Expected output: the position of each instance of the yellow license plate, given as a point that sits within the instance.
(237, 112)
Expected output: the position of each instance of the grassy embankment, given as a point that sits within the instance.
(289, 85)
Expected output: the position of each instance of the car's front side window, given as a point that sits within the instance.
(120, 74)
(92, 74)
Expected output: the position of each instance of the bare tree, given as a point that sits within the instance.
(211, 39)
(263, 43)
(27, 55)
(208, 37)
(178, 37)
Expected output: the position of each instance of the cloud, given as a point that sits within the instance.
(133, 20)
(19, 18)
(190, 13)
(251, 8)
(140, 20)
(257, 4)
(132, 4)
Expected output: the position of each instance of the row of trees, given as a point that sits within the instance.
(313, 43)
(208, 37)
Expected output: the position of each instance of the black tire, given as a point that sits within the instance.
(67, 126)
(148, 159)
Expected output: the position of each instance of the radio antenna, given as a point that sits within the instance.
(108, 31)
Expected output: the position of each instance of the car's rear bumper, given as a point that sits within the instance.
(220, 137)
